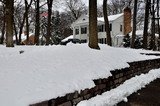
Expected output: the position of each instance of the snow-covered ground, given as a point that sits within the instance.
(45, 72)
(111, 98)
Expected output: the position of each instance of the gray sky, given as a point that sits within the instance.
(99, 2)
(61, 8)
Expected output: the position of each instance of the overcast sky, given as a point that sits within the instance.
(99, 2)
(61, 8)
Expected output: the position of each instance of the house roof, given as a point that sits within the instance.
(66, 39)
(85, 19)
(111, 17)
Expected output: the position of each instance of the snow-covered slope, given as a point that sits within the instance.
(42, 73)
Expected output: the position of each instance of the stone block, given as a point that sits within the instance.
(84, 92)
(77, 100)
(71, 96)
(101, 86)
(44, 103)
(120, 80)
(111, 83)
(97, 81)
(95, 88)
(88, 96)
(104, 81)
(66, 104)
(117, 75)
(121, 75)
(124, 78)
(98, 93)
(60, 100)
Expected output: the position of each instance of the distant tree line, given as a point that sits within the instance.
(37, 16)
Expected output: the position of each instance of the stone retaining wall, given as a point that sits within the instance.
(103, 85)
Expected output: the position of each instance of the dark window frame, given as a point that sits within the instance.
(77, 31)
(100, 28)
(121, 28)
(83, 30)
(110, 27)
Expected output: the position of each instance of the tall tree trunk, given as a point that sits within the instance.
(145, 31)
(25, 17)
(3, 31)
(37, 25)
(27, 29)
(49, 3)
(15, 32)
(27, 24)
(21, 28)
(3, 26)
(93, 34)
(107, 28)
(134, 24)
(158, 24)
(9, 22)
(153, 46)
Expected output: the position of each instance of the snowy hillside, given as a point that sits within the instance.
(41, 73)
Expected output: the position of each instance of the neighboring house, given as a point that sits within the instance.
(24, 39)
(30, 41)
(120, 24)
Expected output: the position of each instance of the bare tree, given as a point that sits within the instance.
(9, 11)
(2, 17)
(153, 46)
(93, 34)
(77, 7)
(116, 6)
(134, 24)
(100, 11)
(108, 34)
(49, 4)
(158, 24)
(25, 15)
(27, 7)
(37, 23)
(145, 31)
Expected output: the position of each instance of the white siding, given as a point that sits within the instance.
(116, 24)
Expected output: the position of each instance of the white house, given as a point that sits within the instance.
(120, 24)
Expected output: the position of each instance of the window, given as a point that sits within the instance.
(101, 40)
(110, 26)
(77, 31)
(121, 28)
(84, 30)
(105, 40)
(100, 28)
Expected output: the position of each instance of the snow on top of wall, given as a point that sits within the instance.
(46, 72)
(114, 96)
(111, 17)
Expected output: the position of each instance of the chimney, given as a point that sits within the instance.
(127, 20)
